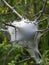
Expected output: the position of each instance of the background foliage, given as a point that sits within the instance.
(11, 55)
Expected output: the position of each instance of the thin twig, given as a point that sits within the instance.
(12, 9)
(42, 20)
(43, 33)
(47, 29)
(18, 61)
(8, 54)
(40, 35)
(46, 15)
(36, 14)
(8, 24)
(41, 12)
(24, 60)
(3, 30)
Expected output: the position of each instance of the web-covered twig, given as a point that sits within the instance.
(8, 24)
(12, 9)
(47, 29)
(4, 30)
